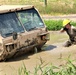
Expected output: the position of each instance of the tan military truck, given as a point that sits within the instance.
(21, 30)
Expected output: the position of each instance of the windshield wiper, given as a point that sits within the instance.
(8, 34)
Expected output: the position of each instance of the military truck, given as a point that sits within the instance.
(21, 30)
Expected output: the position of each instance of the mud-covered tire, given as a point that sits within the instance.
(3, 56)
(40, 46)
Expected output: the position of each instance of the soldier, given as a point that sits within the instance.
(71, 31)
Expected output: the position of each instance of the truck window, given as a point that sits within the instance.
(9, 24)
(30, 19)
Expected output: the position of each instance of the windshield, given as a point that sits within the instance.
(9, 24)
(30, 19)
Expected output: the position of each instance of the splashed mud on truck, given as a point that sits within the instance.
(21, 30)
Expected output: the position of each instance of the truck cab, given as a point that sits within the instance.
(21, 30)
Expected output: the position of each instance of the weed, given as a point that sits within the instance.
(67, 69)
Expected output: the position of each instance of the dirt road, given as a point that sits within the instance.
(60, 17)
(52, 52)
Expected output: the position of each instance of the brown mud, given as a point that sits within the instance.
(52, 52)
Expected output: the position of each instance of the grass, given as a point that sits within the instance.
(53, 6)
(55, 24)
(67, 69)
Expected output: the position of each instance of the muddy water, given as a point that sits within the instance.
(53, 52)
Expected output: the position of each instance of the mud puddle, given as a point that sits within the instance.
(52, 52)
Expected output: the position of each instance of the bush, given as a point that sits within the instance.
(55, 24)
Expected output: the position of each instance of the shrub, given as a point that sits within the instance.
(55, 24)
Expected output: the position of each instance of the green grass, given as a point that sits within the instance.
(67, 69)
(55, 24)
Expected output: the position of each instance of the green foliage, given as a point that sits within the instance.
(55, 24)
(73, 23)
(23, 71)
(42, 69)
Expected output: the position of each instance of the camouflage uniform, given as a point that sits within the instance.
(72, 36)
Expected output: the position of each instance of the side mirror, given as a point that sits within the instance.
(15, 35)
